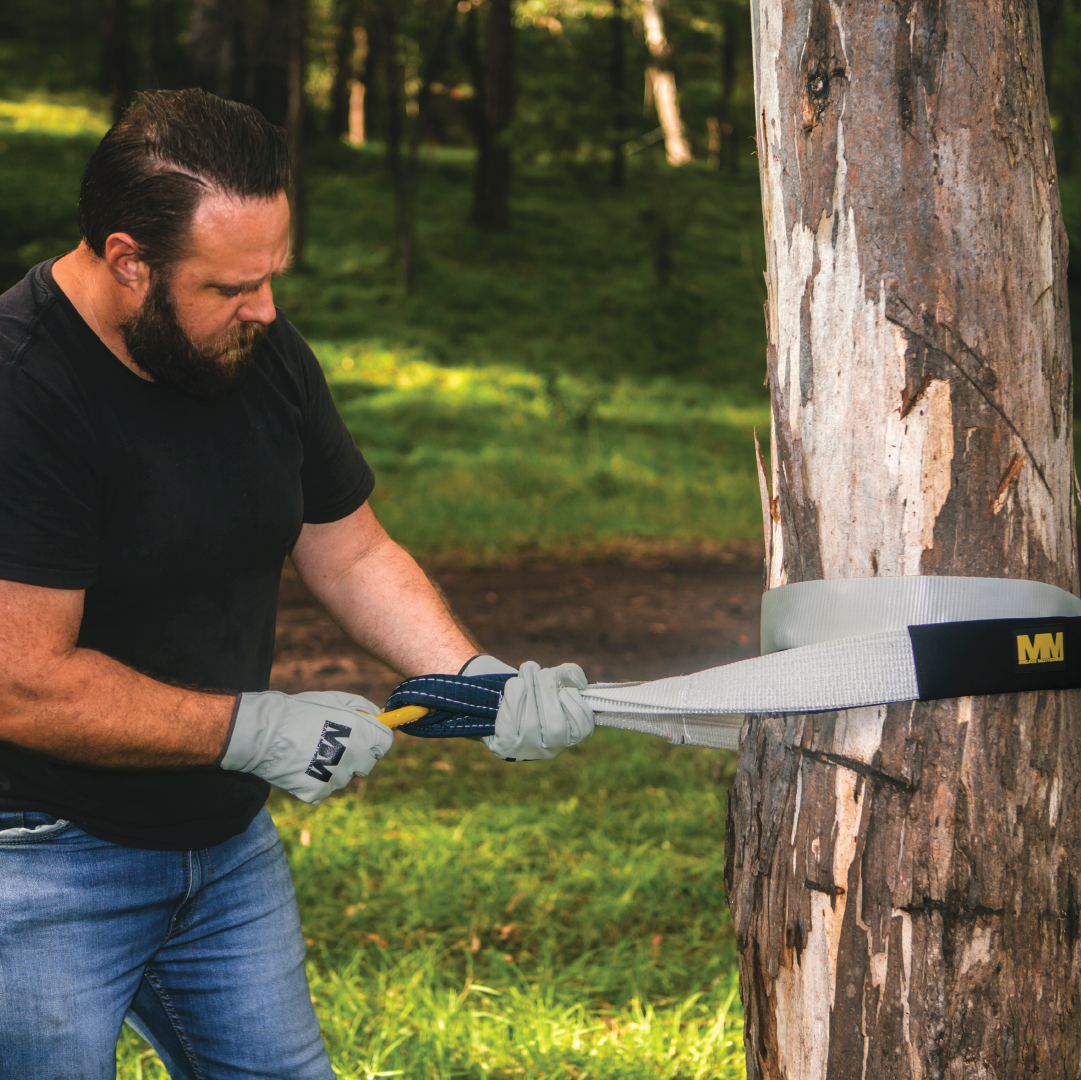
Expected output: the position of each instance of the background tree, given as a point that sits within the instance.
(296, 70)
(345, 67)
(115, 78)
(661, 84)
(905, 881)
(618, 75)
(733, 29)
(492, 73)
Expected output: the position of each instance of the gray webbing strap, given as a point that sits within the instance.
(827, 645)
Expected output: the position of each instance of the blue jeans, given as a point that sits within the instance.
(201, 952)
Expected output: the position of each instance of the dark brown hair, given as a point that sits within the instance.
(169, 149)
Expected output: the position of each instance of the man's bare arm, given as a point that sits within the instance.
(378, 595)
(83, 706)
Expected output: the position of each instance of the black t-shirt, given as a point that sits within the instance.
(175, 517)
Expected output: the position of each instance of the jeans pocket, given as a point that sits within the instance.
(29, 826)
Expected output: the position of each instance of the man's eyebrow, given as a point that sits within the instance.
(244, 286)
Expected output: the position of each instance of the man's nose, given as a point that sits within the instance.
(258, 306)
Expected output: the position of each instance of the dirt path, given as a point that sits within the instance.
(641, 620)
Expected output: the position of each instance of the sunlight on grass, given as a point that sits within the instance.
(45, 116)
(483, 461)
(468, 917)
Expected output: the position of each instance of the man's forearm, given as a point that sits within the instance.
(90, 708)
(389, 607)
(378, 595)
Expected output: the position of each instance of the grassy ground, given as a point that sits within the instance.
(484, 460)
(472, 918)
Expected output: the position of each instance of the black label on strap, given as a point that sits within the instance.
(996, 656)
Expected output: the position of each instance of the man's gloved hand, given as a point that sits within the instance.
(542, 712)
(309, 744)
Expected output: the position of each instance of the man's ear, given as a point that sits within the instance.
(125, 263)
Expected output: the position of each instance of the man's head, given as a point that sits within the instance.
(184, 200)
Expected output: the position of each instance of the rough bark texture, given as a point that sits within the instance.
(905, 881)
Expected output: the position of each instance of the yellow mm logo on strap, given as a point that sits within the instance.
(1039, 649)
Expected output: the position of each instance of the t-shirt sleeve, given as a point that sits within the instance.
(49, 498)
(335, 478)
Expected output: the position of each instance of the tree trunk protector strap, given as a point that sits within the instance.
(847, 643)
(826, 645)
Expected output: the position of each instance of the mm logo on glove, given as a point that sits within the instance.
(1040, 649)
(329, 751)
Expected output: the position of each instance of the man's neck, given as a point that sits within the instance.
(86, 281)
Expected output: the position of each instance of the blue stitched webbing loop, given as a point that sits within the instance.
(460, 705)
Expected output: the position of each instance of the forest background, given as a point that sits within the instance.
(529, 256)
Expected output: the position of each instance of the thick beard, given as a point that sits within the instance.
(162, 348)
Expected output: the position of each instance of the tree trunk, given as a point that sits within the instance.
(433, 62)
(731, 21)
(905, 881)
(617, 75)
(294, 126)
(114, 74)
(491, 111)
(213, 47)
(358, 129)
(662, 84)
(344, 69)
(398, 165)
(267, 63)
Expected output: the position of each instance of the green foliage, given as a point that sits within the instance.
(43, 49)
(570, 287)
(39, 185)
(472, 918)
(1064, 83)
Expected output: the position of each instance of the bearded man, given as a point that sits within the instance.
(166, 440)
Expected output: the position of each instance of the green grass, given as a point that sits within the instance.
(481, 461)
(471, 918)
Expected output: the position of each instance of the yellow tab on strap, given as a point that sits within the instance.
(405, 715)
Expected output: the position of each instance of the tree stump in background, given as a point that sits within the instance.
(905, 881)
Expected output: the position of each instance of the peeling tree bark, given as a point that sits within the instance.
(905, 881)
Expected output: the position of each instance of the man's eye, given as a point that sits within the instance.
(229, 290)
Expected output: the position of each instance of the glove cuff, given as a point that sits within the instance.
(229, 733)
(483, 664)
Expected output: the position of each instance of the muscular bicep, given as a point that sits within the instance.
(38, 631)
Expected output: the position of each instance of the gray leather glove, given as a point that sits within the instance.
(542, 712)
(309, 744)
